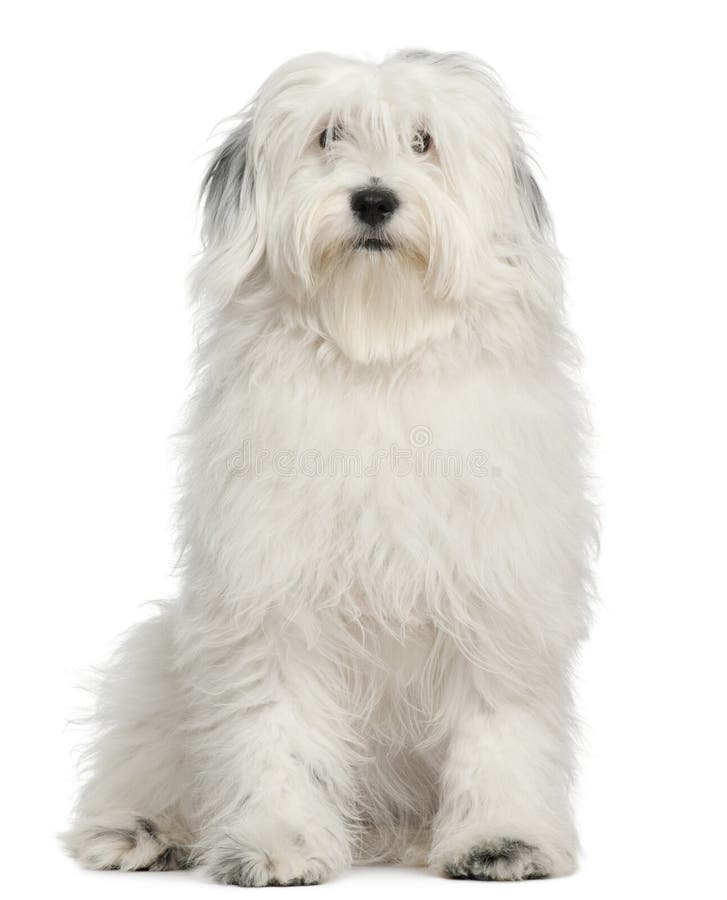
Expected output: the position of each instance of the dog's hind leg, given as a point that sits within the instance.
(130, 813)
(127, 841)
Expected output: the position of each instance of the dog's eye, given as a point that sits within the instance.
(328, 135)
(421, 141)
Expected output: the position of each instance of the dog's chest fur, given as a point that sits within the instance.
(390, 500)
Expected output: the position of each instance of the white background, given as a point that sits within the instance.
(107, 111)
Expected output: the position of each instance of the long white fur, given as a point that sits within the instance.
(372, 665)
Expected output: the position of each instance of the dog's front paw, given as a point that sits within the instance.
(287, 859)
(502, 860)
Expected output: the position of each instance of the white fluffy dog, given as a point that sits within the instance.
(385, 521)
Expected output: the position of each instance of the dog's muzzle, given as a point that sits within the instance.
(373, 207)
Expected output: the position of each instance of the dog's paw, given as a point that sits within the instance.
(289, 861)
(128, 843)
(503, 860)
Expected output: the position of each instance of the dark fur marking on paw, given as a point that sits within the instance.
(168, 858)
(149, 827)
(241, 875)
(482, 863)
(173, 859)
(506, 850)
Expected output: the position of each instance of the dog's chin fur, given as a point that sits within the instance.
(366, 661)
(373, 307)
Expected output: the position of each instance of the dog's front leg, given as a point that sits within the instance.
(272, 752)
(504, 810)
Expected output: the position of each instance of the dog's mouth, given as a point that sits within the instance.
(374, 244)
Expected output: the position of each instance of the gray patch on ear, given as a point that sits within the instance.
(223, 184)
(533, 202)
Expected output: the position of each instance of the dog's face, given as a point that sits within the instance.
(378, 201)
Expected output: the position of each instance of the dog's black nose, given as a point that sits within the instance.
(373, 205)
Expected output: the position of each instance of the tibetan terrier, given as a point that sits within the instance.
(386, 532)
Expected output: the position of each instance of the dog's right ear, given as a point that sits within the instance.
(231, 231)
(228, 186)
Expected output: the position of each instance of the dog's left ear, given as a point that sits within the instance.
(532, 201)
